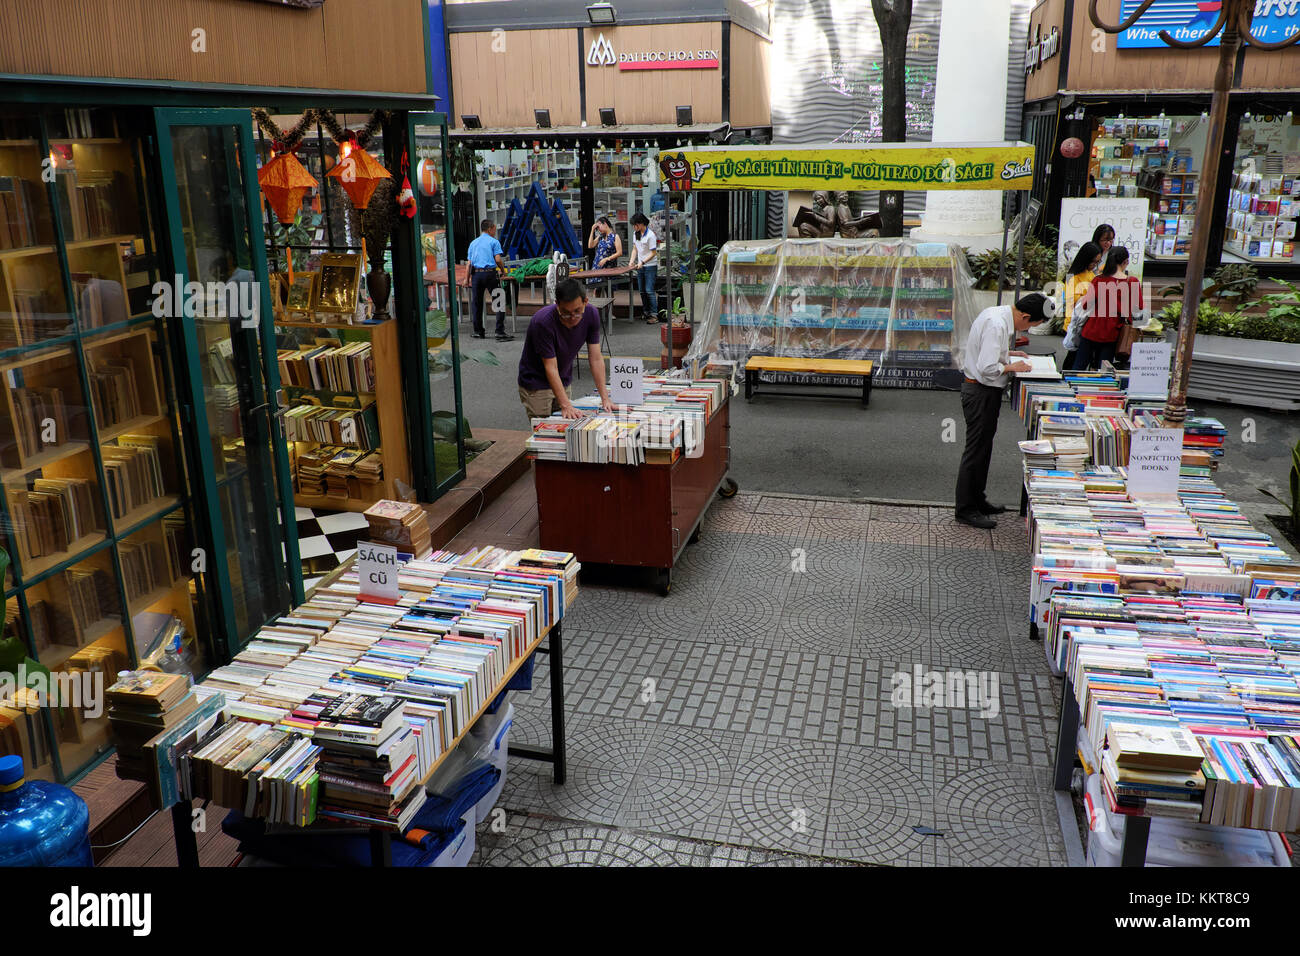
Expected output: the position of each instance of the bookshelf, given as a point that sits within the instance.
(510, 174)
(93, 482)
(1262, 211)
(882, 302)
(308, 354)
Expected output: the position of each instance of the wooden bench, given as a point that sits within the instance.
(850, 368)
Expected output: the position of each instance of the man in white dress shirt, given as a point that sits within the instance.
(986, 364)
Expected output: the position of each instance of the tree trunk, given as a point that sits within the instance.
(894, 18)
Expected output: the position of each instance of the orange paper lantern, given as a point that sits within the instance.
(358, 173)
(284, 181)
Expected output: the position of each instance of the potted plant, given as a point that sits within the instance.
(1247, 358)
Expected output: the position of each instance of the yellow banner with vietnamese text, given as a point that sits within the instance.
(887, 166)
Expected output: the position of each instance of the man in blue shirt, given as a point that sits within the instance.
(485, 257)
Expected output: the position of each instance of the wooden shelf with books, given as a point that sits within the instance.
(353, 392)
(137, 516)
(34, 567)
(50, 456)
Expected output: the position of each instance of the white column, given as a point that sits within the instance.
(969, 106)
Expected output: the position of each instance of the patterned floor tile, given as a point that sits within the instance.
(900, 513)
(785, 525)
(891, 626)
(566, 846)
(878, 802)
(953, 534)
(842, 509)
(834, 528)
(895, 565)
(916, 533)
(778, 505)
(588, 794)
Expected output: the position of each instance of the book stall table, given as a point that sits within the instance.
(431, 741)
(1174, 623)
(641, 515)
(840, 372)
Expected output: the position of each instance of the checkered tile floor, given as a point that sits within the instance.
(747, 718)
(326, 539)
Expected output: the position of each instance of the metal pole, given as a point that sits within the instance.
(1176, 407)
(695, 241)
(1002, 261)
(1020, 242)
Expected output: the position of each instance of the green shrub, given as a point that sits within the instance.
(1277, 326)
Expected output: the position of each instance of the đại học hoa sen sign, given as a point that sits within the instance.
(888, 166)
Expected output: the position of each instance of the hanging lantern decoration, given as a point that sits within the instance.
(427, 173)
(358, 173)
(284, 182)
(1072, 148)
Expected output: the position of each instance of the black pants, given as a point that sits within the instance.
(980, 404)
(480, 281)
(1092, 354)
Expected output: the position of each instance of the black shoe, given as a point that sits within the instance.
(988, 509)
(977, 520)
(480, 335)
(505, 338)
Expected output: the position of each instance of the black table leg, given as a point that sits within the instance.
(381, 847)
(749, 385)
(866, 390)
(1136, 832)
(187, 845)
(1024, 500)
(1067, 736)
(557, 700)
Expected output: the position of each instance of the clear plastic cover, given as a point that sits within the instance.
(907, 306)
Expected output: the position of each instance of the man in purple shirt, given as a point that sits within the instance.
(555, 335)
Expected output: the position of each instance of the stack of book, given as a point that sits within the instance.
(133, 473)
(141, 705)
(346, 368)
(357, 427)
(33, 408)
(369, 767)
(54, 513)
(403, 524)
(1153, 770)
(114, 392)
(266, 771)
(365, 692)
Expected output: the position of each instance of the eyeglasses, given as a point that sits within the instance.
(575, 313)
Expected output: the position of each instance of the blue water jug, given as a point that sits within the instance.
(41, 824)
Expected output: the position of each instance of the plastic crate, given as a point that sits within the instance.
(1177, 842)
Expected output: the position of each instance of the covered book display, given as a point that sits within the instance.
(905, 305)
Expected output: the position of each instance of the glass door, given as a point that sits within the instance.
(438, 302)
(219, 289)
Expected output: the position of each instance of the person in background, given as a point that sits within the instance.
(1078, 286)
(1116, 299)
(645, 257)
(607, 243)
(985, 364)
(486, 257)
(1104, 237)
(555, 335)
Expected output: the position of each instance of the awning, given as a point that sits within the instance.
(697, 131)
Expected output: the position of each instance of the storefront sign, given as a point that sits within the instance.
(1153, 461)
(626, 381)
(1041, 48)
(601, 53)
(1081, 217)
(377, 572)
(1149, 369)
(901, 166)
(1274, 20)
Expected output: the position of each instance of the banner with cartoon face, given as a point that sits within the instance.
(915, 166)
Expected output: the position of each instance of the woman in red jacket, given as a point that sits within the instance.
(1116, 299)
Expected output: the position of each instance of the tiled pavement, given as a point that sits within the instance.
(746, 718)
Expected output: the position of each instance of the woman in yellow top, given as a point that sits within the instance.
(1078, 286)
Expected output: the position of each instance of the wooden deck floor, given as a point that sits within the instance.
(510, 520)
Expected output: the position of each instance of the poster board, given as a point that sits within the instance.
(1080, 217)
